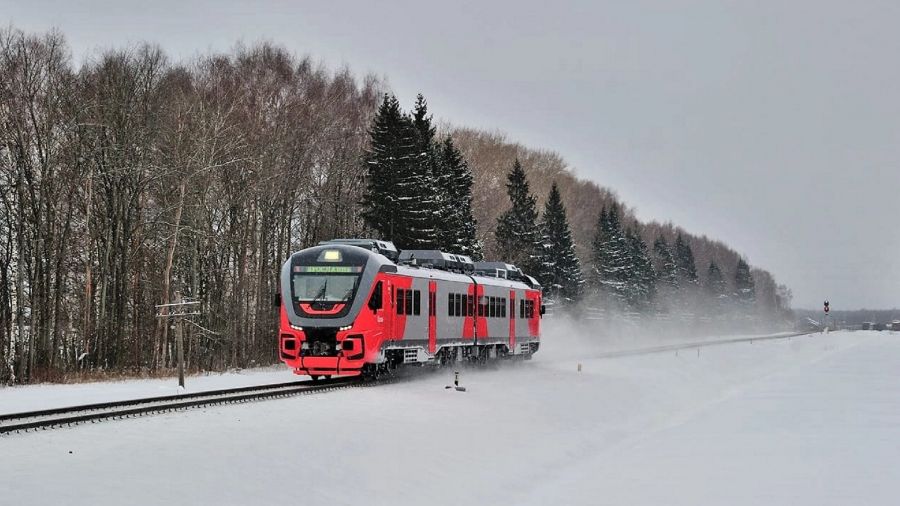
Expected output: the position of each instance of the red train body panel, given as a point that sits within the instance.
(347, 310)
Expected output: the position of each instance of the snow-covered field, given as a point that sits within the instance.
(810, 420)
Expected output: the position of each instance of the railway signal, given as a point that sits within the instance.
(826, 307)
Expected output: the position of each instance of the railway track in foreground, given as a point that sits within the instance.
(91, 413)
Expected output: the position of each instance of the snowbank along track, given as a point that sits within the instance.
(74, 415)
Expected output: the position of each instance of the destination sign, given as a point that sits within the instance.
(328, 269)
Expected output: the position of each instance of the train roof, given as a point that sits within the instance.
(380, 256)
(429, 273)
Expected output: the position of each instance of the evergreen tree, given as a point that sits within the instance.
(666, 270)
(424, 127)
(517, 235)
(610, 257)
(716, 286)
(560, 273)
(400, 202)
(458, 226)
(642, 277)
(684, 263)
(423, 205)
(385, 161)
(745, 288)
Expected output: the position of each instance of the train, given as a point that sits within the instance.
(351, 307)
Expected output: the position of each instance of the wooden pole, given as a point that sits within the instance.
(179, 343)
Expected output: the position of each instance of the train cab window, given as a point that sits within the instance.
(417, 302)
(400, 299)
(375, 299)
(529, 309)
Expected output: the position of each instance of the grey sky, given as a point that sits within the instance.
(773, 126)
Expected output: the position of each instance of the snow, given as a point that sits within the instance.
(35, 397)
(805, 420)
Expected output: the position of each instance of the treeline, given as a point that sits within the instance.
(420, 193)
(130, 178)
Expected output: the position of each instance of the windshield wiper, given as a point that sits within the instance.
(321, 292)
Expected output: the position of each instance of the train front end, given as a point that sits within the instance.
(331, 317)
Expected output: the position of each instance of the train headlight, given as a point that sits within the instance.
(295, 327)
(348, 327)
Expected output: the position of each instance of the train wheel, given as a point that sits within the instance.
(315, 378)
(327, 376)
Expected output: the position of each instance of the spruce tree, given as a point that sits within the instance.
(385, 161)
(610, 258)
(560, 273)
(400, 202)
(666, 270)
(745, 288)
(716, 286)
(684, 262)
(641, 275)
(517, 235)
(458, 226)
(423, 205)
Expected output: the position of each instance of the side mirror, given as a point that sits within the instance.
(543, 309)
(276, 300)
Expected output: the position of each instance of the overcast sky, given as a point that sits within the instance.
(773, 126)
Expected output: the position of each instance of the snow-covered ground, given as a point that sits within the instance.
(810, 420)
(35, 397)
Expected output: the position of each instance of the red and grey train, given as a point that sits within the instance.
(353, 307)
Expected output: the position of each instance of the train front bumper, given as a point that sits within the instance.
(347, 359)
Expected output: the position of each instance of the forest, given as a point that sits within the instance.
(129, 177)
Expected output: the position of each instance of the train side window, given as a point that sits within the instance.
(470, 305)
(375, 299)
(521, 308)
(417, 302)
(409, 300)
(400, 300)
(503, 307)
(458, 302)
(449, 304)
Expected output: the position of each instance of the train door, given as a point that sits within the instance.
(432, 317)
(512, 319)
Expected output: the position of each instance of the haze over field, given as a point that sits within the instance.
(771, 127)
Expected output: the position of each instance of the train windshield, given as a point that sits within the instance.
(331, 284)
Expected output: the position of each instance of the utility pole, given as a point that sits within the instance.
(180, 307)
(179, 343)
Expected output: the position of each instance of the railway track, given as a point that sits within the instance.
(697, 345)
(74, 415)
